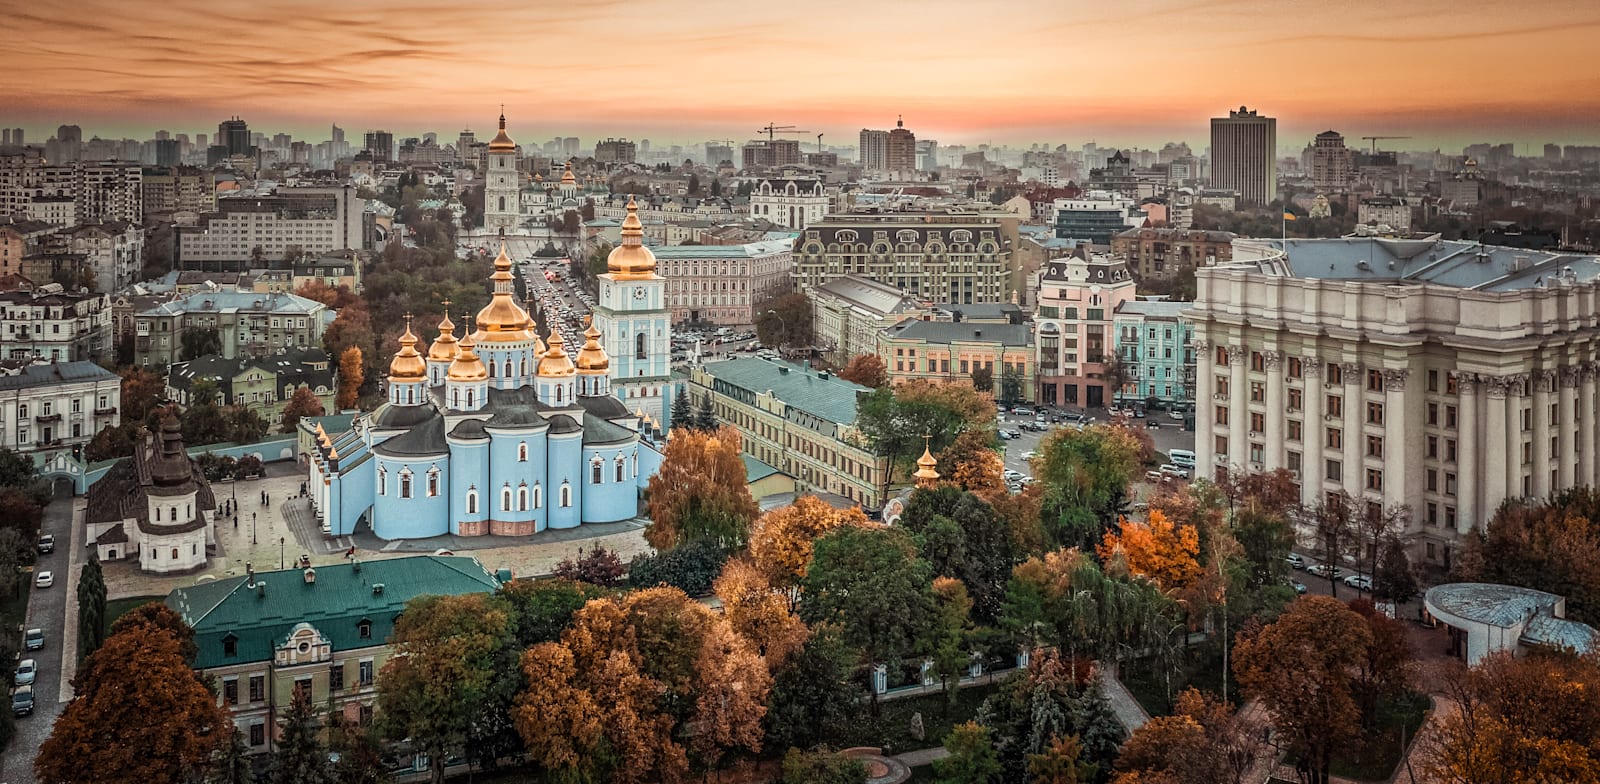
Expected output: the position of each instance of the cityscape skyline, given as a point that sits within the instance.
(1065, 79)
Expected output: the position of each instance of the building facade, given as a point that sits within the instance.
(155, 507)
(849, 313)
(1096, 217)
(1153, 345)
(1442, 377)
(246, 230)
(962, 352)
(720, 284)
(1078, 298)
(798, 420)
(790, 203)
(956, 256)
(247, 323)
(1331, 167)
(632, 313)
(50, 323)
(502, 185)
(177, 189)
(114, 251)
(262, 384)
(321, 632)
(1244, 156)
(1155, 254)
(51, 407)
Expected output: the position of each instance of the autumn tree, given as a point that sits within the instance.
(870, 582)
(1055, 697)
(1525, 720)
(781, 540)
(435, 687)
(159, 617)
(559, 719)
(1086, 474)
(784, 320)
(700, 492)
(759, 612)
(139, 714)
(1393, 581)
(1063, 598)
(540, 610)
(896, 419)
(962, 536)
(199, 342)
(1551, 546)
(599, 566)
(1204, 741)
(971, 463)
(142, 389)
(303, 403)
(351, 376)
(1156, 549)
(868, 370)
(1334, 518)
(1061, 762)
(1302, 668)
(972, 758)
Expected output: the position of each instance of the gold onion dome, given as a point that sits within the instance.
(502, 142)
(444, 347)
(632, 260)
(407, 364)
(555, 362)
(592, 359)
(503, 320)
(467, 366)
(927, 472)
(566, 176)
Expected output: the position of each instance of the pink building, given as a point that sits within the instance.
(1078, 300)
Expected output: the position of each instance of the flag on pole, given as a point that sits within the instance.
(1288, 216)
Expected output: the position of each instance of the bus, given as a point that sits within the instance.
(1182, 458)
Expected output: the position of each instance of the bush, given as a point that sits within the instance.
(599, 567)
(690, 568)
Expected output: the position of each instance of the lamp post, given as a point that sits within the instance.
(252, 527)
(280, 552)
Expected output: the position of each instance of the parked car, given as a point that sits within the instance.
(1138, 413)
(1177, 472)
(45, 579)
(33, 639)
(1029, 455)
(1295, 561)
(1013, 476)
(1152, 424)
(1299, 587)
(22, 701)
(47, 543)
(1323, 570)
(26, 670)
(1004, 435)
(1359, 582)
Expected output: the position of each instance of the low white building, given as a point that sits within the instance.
(51, 323)
(50, 407)
(790, 203)
(849, 313)
(1486, 618)
(720, 284)
(155, 507)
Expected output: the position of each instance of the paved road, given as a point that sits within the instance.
(47, 610)
(1168, 437)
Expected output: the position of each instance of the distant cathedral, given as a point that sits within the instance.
(510, 205)
(499, 433)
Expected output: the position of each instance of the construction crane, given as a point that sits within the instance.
(1374, 140)
(819, 144)
(773, 130)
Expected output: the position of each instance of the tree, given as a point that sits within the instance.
(1054, 697)
(359, 750)
(812, 693)
(759, 612)
(1114, 376)
(1334, 518)
(91, 608)
(1065, 599)
(700, 492)
(300, 758)
(158, 617)
(245, 425)
(690, 568)
(433, 689)
(1550, 546)
(962, 536)
(821, 767)
(705, 417)
(895, 420)
(1010, 385)
(972, 757)
(1156, 549)
(784, 320)
(303, 403)
(1204, 741)
(971, 463)
(142, 390)
(1393, 580)
(14, 548)
(599, 567)
(231, 763)
(694, 185)
(868, 370)
(560, 721)
(17, 470)
(1302, 668)
(199, 342)
(869, 581)
(983, 379)
(351, 376)
(1061, 763)
(1085, 474)
(540, 610)
(682, 413)
(781, 540)
(139, 714)
(950, 638)
(21, 512)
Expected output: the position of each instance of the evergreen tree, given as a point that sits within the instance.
(301, 758)
(704, 417)
(1394, 581)
(91, 608)
(682, 414)
(231, 765)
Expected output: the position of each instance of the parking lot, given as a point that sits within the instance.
(1168, 435)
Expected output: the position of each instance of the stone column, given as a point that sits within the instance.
(1544, 382)
(1311, 429)
(1516, 395)
(1567, 470)
(1496, 457)
(1277, 437)
(1396, 461)
(1586, 408)
(1205, 416)
(1469, 479)
(1238, 407)
(1355, 413)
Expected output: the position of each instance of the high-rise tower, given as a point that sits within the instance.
(502, 185)
(1244, 149)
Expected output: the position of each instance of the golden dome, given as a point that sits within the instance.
(926, 474)
(444, 347)
(592, 359)
(566, 176)
(502, 142)
(555, 362)
(408, 365)
(503, 320)
(467, 366)
(632, 260)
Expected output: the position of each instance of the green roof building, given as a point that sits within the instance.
(324, 630)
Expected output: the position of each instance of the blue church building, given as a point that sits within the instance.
(499, 433)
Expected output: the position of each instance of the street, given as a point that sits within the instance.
(47, 610)
(1168, 437)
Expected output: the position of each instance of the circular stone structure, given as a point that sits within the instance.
(880, 769)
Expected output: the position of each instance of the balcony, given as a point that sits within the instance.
(47, 418)
(106, 411)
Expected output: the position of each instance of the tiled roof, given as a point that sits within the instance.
(1454, 263)
(1548, 631)
(1156, 308)
(235, 302)
(755, 470)
(868, 294)
(952, 331)
(1490, 603)
(55, 373)
(821, 394)
(341, 597)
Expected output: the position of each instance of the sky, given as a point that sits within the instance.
(1448, 72)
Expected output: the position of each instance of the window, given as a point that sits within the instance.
(1450, 382)
(1335, 438)
(1374, 446)
(258, 734)
(522, 497)
(639, 348)
(1335, 374)
(1450, 417)
(595, 477)
(619, 468)
(522, 452)
(1222, 445)
(258, 688)
(1295, 433)
(1334, 471)
(538, 495)
(1433, 446)
(1433, 413)
(1222, 415)
(472, 502)
(405, 484)
(1258, 423)
(1375, 380)
(230, 691)
(230, 646)
(1295, 370)
(1258, 362)
(433, 483)
(1257, 452)
(1433, 513)
(1374, 413)
(1374, 479)
(336, 677)
(1433, 480)
(302, 687)
(1335, 406)
(1449, 483)
(1258, 392)
(383, 482)
(566, 495)
(1296, 399)
(364, 672)
(1433, 381)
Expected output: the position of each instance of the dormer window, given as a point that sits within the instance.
(230, 646)
(364, 629)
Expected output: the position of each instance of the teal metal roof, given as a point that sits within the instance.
(342, 596)
(748, 250)
(755, 470)
(821, 394)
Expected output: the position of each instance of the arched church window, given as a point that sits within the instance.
(405, 484)
(433, 482)
(491, 368)
(566, 494)
(638, 347)
(619, 468)
(522, 452)
(502, 204)
(383, 482)
(595, 477)
(472, 502)
(538, 495)
(505, 498)
(522, 497)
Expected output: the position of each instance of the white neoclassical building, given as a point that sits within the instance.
(1443, 375)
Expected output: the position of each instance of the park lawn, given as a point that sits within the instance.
(891, 729)
(116, 608)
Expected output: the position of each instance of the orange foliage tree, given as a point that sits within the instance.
(1157, 549)
(758, 612)
(1204, 741)
(700, 492)
(781, 541)
(1519, 721)
(868, 370)
(351, 376)
(972, 464)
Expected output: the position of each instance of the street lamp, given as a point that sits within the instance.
(252, 527)
(280, 552)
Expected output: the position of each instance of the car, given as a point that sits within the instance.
(45, 579)
(1174, 471)
(47, 543)
(1138, 413)
(26, 670)
(1029, 455)
(1299, 587)
(33, 639)
(1359, 582)
(1003, 435)
(22, 701)
(1015, 434)
(1152, 424)
(1176, 414)
(1323, 570)
(1295, 561)
(1012, 476)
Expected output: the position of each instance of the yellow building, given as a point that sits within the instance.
(953, 352)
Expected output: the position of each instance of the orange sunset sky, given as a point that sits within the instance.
(1449, 72)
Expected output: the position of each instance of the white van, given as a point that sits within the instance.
(1181, 458)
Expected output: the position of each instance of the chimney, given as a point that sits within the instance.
(249, 575)
(261, 590)
(311, 576)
